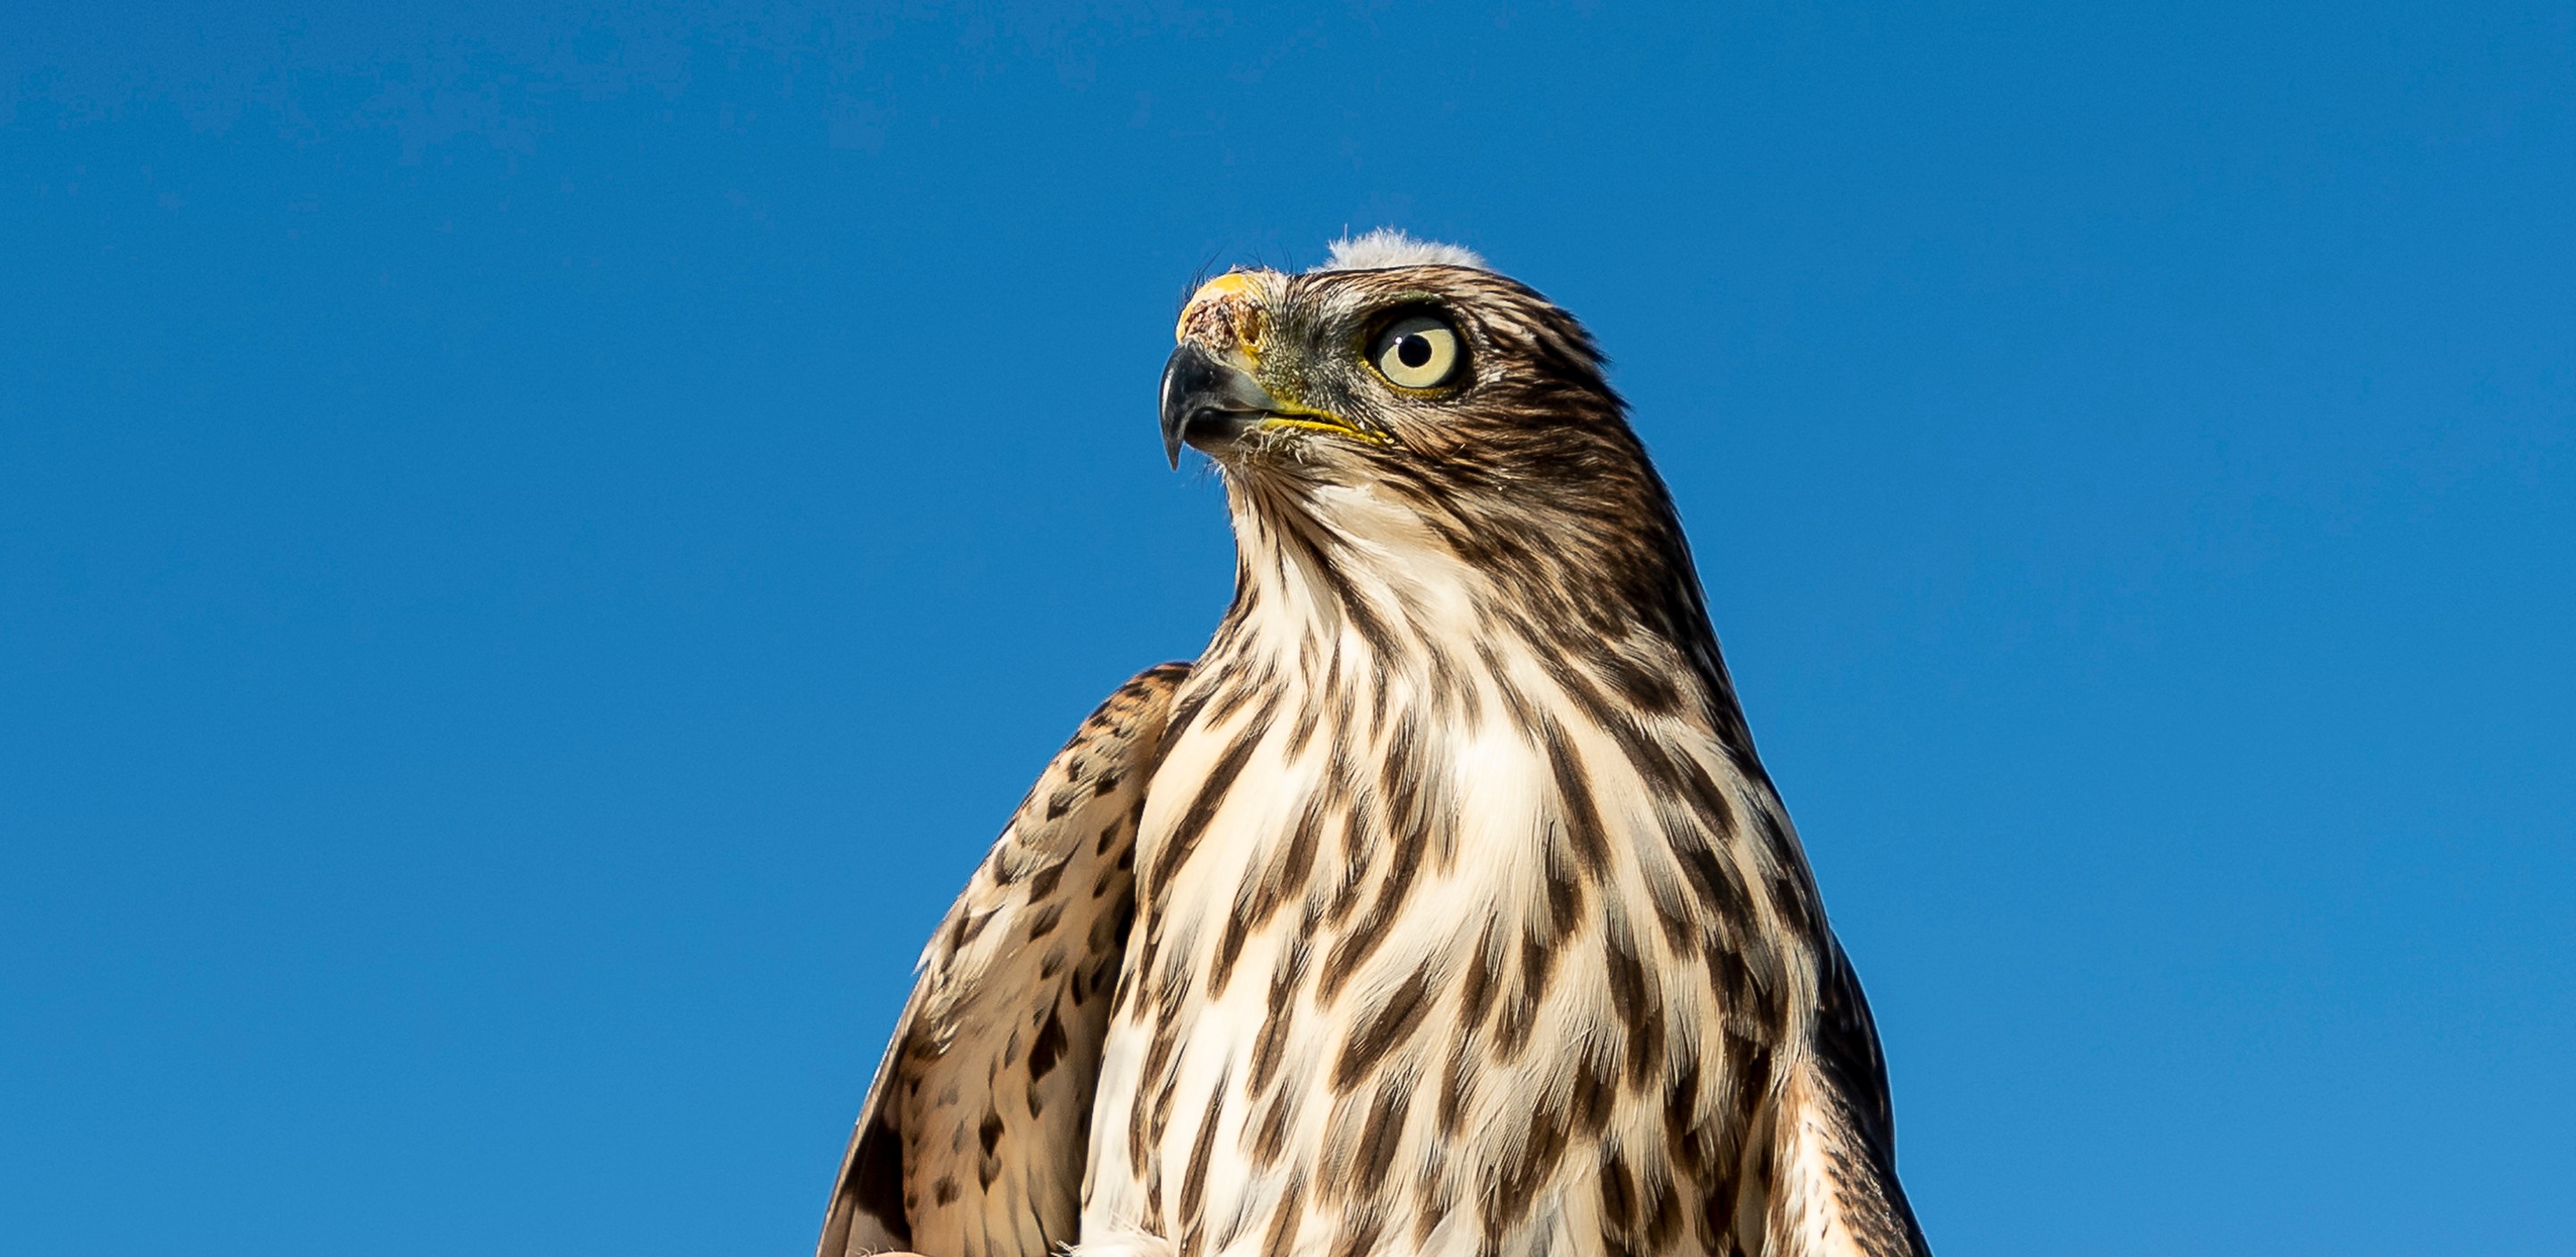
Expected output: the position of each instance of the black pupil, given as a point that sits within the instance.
(1413, 350)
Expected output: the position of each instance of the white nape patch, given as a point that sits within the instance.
(1122, 1242)
(1387, 246)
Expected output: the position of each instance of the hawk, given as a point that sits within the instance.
(1442, 908)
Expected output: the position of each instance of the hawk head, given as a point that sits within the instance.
(1403, 413)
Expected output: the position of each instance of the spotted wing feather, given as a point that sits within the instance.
(972, 1139)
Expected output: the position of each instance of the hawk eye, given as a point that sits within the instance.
(1416, 352)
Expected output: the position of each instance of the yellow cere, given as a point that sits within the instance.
(1223, 285)
(1237, 283)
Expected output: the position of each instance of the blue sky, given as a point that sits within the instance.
(537, 545)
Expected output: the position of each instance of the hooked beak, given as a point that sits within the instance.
(1207, 404)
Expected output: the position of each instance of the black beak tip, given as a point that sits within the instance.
(1187, 377)
(1207, 403)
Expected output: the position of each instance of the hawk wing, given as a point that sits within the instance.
(1839, 1196)
(973, 1137)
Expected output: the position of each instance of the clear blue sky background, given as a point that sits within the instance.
(538, 544)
